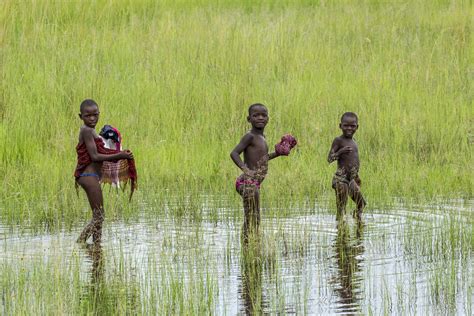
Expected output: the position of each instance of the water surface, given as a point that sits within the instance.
(396, 261)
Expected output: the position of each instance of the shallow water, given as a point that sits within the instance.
(397, 261)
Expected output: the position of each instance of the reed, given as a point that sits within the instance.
(177, 77)
(399, 262)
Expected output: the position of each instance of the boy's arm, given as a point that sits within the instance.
(235, 154)
(273, 155)
(88, 138)
(333, 152)
(336, 151)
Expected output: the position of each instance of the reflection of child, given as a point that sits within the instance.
(346, 181)
(255, 164)
(91, 153)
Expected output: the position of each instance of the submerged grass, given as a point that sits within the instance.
(177, 77)
(418, 265)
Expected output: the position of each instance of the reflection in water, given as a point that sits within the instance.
(104, 296)
(93, 296)
(348, 256)
(95, 252)
(251, 273)
(308, 267)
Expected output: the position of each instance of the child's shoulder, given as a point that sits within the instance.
(247, 139)
(248, 136)
(87, 131)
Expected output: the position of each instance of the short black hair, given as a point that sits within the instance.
(349, 114)
(255, 105)
(87, 102)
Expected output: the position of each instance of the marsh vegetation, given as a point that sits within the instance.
(176, 77)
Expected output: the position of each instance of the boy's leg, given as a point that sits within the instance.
(356, 196)
(251, 200)
(94, 194)
(342, 191)
(252, 211)
(251, 272)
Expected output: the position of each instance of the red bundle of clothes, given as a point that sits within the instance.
(285, 145)
(112, 172)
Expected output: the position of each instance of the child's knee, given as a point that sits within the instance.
(341, 187)
(98, 218)
(250, 202)
(353, 186)
(97, 222)
(250, 193)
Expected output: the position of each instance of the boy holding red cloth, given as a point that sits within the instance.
(255, 164)
(91, 153)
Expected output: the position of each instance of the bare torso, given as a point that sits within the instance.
(255, 151)
(95, 166)
(349, 159)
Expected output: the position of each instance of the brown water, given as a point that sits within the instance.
(397, 261)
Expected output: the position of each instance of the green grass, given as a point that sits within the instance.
(176, 77)
(55, 286)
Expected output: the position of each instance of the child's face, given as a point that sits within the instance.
(90, 115)
(258, 117)
(349, 126)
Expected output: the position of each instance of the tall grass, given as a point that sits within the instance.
(176, 77)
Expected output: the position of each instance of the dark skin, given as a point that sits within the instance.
(349, 252)
(345, 150)
(255, 149)
(95, 294)
(91, 185)
(251, 275)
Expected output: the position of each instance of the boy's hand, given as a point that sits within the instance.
(345, 149)
(248, 172)
(127, 154)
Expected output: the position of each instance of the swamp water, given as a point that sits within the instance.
(415, 260)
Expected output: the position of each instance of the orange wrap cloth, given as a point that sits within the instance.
(124, 168)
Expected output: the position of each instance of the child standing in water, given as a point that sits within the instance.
(90, 155)
(346, 181)
(255, 164)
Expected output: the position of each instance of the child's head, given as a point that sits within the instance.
(349, 115)
(89, 113)
(258, 115)
(256, 105)
(349, 123)
(87, 103)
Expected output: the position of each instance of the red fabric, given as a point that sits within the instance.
(285, 145)
(241, 181)
(117, 145)
(127, 170)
